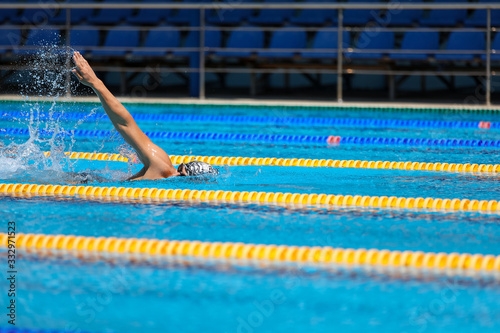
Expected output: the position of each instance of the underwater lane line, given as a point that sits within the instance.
(268, 138)
(309, 200)
(111, 247)
(302, 162)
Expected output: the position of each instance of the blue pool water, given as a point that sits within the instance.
(78, 295)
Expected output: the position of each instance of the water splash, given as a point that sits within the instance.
(45, 90)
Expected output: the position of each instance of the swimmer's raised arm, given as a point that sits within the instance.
(157, 163)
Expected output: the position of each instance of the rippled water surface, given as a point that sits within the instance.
(81, 295)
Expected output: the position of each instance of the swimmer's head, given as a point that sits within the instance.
(196, 168)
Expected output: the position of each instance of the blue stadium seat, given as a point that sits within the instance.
(464, 41)
(126, 40)
(283, 39)
(445, 18)
(34, 16)
(111, 16)
(243, 39)
(9, 39)
(495, 47)
(77, 16)
(41, 37)
(315, 17)
(403, 18)
(213, 38)
(228, 16)
(417, 40)
(327, 40)
(479, 18)
(7, 14)
(372, 40)
(84, 39)
(271, 16)
(149, 16)
(189, 17)
(359, 16)
(159, 38)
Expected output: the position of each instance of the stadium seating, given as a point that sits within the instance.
(243, 39)
(40, 37)
(479, 18)
(285, 39)
(402, 18)
(34, 16)
(111, 16)
(372, 40)
(271, 16)
(445, 18)
(185, 17)
(327, 40)
(213, 38)
(465, 41)
(77, 16)
(84, 38)
(417, 40)
(354, 17)
(10, 39)
(315, 17)
(7, 14)
(149, 16)
(228, 16)
(119, 39)
(159, 38)
(123, 40)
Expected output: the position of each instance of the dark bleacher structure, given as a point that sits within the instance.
(218, 43)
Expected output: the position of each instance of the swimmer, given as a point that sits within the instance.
(157, 163)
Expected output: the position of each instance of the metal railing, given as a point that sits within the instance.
(342, 52)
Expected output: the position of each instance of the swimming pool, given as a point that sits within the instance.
(74, 293)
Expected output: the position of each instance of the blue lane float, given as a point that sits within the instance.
(277, 121)
(269, 138)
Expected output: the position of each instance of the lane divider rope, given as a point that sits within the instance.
(279, 121)
(195, 107)
(318, 200)
(93, 156)
(302, 162)
(242, 251)
(319, 139)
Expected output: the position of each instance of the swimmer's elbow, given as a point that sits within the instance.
(126, 121)
(126, 125)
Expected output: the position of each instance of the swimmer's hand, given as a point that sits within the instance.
(84, 72)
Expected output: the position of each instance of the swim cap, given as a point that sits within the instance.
(197, 168)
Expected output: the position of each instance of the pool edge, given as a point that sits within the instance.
(252, 103)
